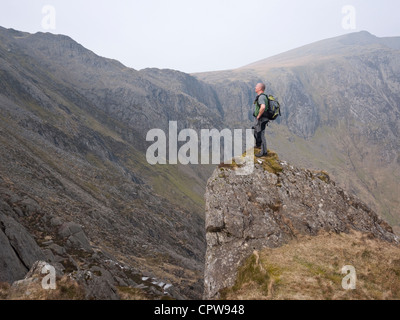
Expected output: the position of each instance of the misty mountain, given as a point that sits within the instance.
(77, 191)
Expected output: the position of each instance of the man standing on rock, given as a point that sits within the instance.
(261, 104)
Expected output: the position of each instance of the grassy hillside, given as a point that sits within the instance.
(310, 268)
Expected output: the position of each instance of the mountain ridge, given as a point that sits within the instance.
(343, 44)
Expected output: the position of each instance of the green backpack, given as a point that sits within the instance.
(273, 109)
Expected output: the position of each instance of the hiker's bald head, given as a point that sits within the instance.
(260, 87)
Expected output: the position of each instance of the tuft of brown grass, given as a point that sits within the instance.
(129, 293)
(309, 268)
(251, 277)
(323, 176)
(270, 163)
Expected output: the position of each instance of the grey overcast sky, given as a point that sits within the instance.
(199, 35)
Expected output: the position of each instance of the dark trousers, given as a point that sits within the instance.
(259, 135)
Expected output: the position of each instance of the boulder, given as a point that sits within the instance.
(75, 236)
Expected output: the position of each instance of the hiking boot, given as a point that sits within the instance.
(259, 155)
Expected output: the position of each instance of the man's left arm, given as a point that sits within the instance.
(262, 109)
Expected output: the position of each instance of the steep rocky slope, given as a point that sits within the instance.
(270, 207)
(75, 185)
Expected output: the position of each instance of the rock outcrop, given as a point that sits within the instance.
(18, 250)
(270, 207)
(82, 270)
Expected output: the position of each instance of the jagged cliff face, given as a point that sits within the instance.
(275, 204)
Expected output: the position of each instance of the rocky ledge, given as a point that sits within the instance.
(266, 209)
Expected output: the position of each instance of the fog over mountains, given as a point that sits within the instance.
(75, 182)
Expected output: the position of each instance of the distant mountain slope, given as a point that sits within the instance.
(340, 111)
(326, 49)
